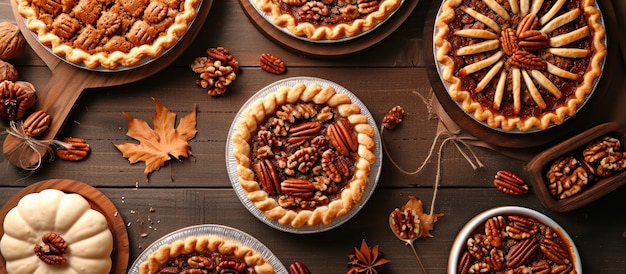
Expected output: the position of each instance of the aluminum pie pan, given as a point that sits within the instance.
(440, 67)
(211, 229)
(231, 162)
(268, 18)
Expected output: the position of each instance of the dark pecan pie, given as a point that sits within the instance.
(108, 33)
(328, 19)
(304, 154)
(520, 65)
(205, 254)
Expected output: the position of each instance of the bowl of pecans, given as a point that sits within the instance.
(513, 239)
(580, 169)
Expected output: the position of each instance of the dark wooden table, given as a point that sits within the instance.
(198, 191)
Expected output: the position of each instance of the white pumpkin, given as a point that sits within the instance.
(84, 230)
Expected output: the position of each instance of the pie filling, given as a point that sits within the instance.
(522, 59)
(297, 162)
(206, 263)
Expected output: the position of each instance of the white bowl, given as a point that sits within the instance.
(469, 228)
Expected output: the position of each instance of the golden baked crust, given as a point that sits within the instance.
(290, 161)
(108, 33)
(520, 65)
(205, 245)
(320, 20)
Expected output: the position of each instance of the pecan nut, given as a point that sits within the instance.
(272, 64)
(36, 123)
(393, 118)
(298, 268)
(297, 187)
(335, 166)
(464, 263)
(78, 149)
(526, 60)
(231, 266)
(268, 177)
(342, 137)
(554, 251)
(15, 99)
(521, 252)
(529, 22)
(510, 183)
(532, 40)
(520, 227)
(303, 131)
(200, 262)
(495, 230)
(52, 250)
(406, 223)
(508, 40)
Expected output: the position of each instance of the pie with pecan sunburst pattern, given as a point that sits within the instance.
(520, 64)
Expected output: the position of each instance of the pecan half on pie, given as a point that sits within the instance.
(304, 154)
(520, 64)
(328, 19)
(205, 254)
(108, 33)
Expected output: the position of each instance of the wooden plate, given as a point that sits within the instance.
(68, 82)
(97, 200)
(329, 50)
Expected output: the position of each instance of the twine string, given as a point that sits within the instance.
(460, 142)
(16, 129)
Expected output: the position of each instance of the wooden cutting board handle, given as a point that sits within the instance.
(57, 99)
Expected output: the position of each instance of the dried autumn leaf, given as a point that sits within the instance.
(156, 146)
(427, 221)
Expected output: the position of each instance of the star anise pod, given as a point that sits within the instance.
(365, 260)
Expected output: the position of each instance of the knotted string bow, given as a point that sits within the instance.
(16, 129)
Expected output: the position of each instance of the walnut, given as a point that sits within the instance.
(15, 99)
(598, 149)
(313, 11)
(78, 150)
(217, 70)
(367, 6)
(294, 2)
(614, 162)
(478, 246)
(303, 159)
(292, 112)
(393, 118)
(567, 176)
(12, 43)
(7, 72)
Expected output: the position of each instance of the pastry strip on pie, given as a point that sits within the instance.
(478, 47)
(566, 38)
(492, 73)
(517, 90)
(497, 98)
(514, 6)
(536, 6)
(493, 5)
(534, 92)
(469, 69)
(524, 7)
(482, 18)
(476, 33)
(552, 12)
(546, 83)
(561, 20)
(561, 72)
(570, 52)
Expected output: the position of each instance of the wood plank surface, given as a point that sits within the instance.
(393, 72)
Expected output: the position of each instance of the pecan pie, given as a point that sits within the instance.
(108, 33)
(205, 254)
(304, 154)
(328, 19)
(520, 64)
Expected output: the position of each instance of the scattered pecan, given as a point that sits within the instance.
(53, 249)
(521, 252)
(510, 183)
(12, 43)
(393, 118)
(78, 150)
(526, 60)
(297, 187)
(272, 64)
(298, 268)
(36, 123)
(15, 99)
(7, 72)
(508, 40)
(268, 177)
(342, 137)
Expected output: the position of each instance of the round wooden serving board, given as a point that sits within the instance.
(329, 49)
(97, 200)
(67, 83)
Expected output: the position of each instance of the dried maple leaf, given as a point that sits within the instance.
(427, 221)
(365, 260)
(157, 145)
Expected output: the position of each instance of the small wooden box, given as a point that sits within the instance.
(540, 164)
